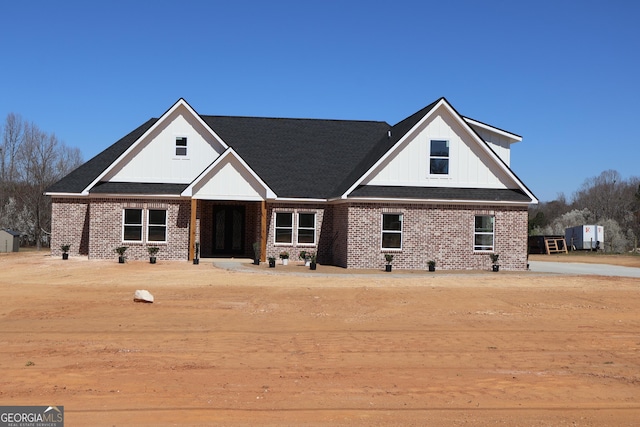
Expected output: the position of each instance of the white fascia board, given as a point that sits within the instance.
(432, 201)
(66, 194)
(188, 192)
(512, 136)
(180, 103)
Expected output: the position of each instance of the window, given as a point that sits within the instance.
(181, 146)
(439, 157)
(307, 228)
(132, 227)
(157, 225)
(391, 231)
(483, 235)
(284, 227)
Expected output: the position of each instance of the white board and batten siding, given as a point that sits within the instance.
(470, 165)
(154, 158)
(229, 180)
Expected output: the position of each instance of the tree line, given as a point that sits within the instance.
(30, 161)
(607, 199)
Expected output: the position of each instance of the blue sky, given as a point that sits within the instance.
(563, 74)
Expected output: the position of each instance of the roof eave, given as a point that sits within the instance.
(435, 201)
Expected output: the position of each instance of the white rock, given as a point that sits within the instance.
(142, 296)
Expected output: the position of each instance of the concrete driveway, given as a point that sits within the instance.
(580, 268)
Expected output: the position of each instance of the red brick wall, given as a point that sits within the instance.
(98, 238)
(348, 235)
(320, 248)
(70, 225)
(443, 233)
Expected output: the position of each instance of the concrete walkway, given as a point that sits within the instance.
(582, 269)
(239, 264)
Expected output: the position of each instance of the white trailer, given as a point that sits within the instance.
(585, 237)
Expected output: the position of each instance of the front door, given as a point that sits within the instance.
(228, 230)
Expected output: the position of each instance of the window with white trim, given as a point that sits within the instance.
(306, 228)
(284, 227)
(181, 146)
(439, 157)
(132, 225)
(391, 231)
(157, 225)
(483, 236)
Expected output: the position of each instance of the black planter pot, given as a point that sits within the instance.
(312, 266)
(495, 268)
(65, 256)
(196, 261)
(272, 264)
(387, 268)
(121, 260)
(432, 268)
(152, 260)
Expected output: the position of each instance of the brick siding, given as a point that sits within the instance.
(347, 234)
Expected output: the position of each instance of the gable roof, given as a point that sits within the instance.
(313, 159)
(76, 181)
(285, 151)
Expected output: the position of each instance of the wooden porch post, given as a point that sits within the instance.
(263, 231)
(192, 229)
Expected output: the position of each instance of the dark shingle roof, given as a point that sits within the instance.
(301, 158)
(441, 193)
(138, 188)
(296, 158)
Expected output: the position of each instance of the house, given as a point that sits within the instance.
(9, 240)
(435, 186)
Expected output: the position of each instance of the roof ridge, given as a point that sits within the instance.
(293, 118)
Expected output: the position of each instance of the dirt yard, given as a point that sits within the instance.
(284, 347)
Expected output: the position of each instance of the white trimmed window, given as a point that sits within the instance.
(439, 157)
(157, 225)
(132, 225)
(483, 238)
(284, 227)
(307, 228)
(391, 231)
(181, 146)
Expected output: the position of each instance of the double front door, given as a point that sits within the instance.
(228, 230)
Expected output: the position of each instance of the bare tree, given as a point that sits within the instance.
(40, 160)
(12, 137)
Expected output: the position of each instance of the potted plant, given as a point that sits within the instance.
(494, 262)
(305, 256)
(153, 250)
(272, 262)
(65, 251)
(120, 250)
(196, 256)
(256, 253)
(312, 260)
(389, 259)
(284, 256)
(432, 265)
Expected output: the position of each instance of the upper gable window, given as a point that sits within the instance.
(181, 146)
(439, 157)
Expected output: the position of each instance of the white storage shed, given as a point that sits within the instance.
(9, 241)
(585, 237)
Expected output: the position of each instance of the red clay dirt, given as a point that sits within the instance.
(277, 348)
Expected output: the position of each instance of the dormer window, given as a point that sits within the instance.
(439, 157)
(181, 146)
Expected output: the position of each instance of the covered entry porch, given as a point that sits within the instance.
(228, 228)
